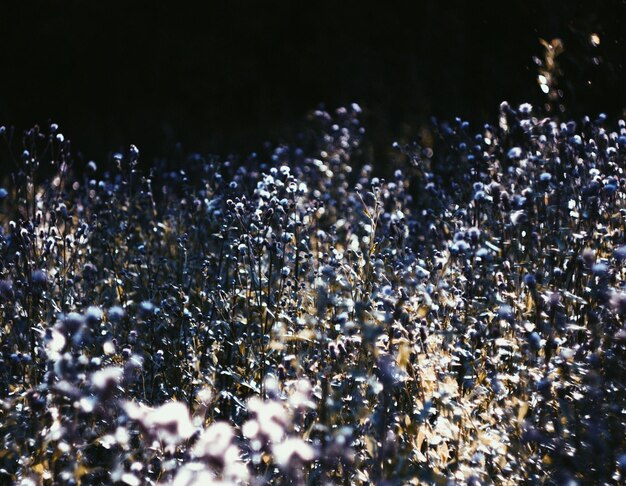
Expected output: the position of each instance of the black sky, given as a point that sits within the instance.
(231, 74)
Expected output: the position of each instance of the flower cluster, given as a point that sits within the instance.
(296, 318)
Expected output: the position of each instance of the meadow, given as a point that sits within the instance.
(298, 319)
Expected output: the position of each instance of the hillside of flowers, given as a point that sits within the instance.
(296, 319)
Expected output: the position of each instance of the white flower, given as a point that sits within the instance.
(107, 378)
(214, 441)
(292, 449)
(170, 422)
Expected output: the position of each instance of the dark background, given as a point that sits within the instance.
(230, 75)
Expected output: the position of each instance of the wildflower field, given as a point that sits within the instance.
(297, 319)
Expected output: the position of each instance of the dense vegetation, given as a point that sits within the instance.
(298, 320)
